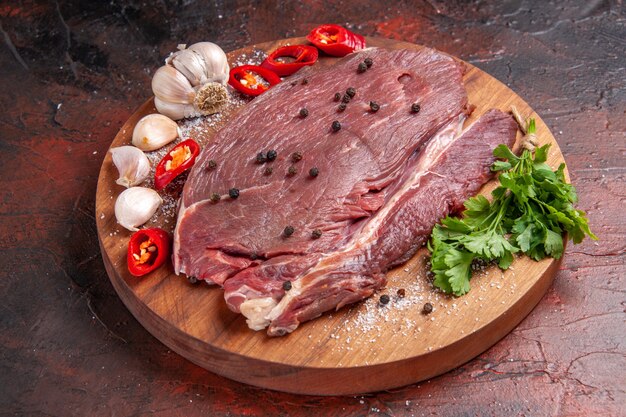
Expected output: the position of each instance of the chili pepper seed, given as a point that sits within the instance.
(369, 62)
(305, 81)
(427, 309)
(288, 231)
(271, 155)
(233, 193)
(336, 126)
(384, 299)
(314, 172)
(286, 285)
(415, 108)
(212, 164)
(304, 113)
(374, 107)
(292, 171)
(361, 68)
(215, 197)
(296, 156)
(351, 91)
(316, 234)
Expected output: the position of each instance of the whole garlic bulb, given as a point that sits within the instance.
(192, 82)
(132, 164)
(154, 131)
(135, 206)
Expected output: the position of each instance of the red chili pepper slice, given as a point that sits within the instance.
(336, 40)
(147, 250)
(252, 79)
(303, 55)
(178, 160)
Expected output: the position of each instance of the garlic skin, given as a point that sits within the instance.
(135, 206)
(192, 82)
(154, 131)
(132, 164)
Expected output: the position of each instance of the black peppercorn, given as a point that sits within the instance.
(427, 309)
(337, 96)
(305, 81)
(361, 68)
(336, 126)
(296, 156)
(304, 112)
(292, 171)
(314, 172)
(288, 231)
(233, 193)
(384, 299)
(316, 234)
(192, 280)
(341, 107)
(368, 62)
(212, 164)
(374, 107)
(286, 285)
(215, 197)
(351, 91)
(254, 256)
(401, 292)
(415, 108)
(346, 99)
(271, 155)
(268, 171)
(261, 157)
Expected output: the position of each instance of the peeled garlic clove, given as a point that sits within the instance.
(176, 111)
(135, 206)
(170, 85)
(132, 164)
(154, 131)
(216, 67)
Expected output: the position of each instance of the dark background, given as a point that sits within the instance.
(71, 72)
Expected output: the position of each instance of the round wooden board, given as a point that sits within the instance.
(358, 349)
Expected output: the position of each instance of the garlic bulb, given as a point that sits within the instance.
(154, 131)
(192, 82)
(132, 164)
(135, 206)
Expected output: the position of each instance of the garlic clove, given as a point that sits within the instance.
(135, 206)
(216, 68)
(132, 164)
(155, 131)
(176, 111)
(190, 64)
(170, 85)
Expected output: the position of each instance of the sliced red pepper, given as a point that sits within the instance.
(252, 80)
(303, 55)
(178, 160)
(336, 40)
(147, 250)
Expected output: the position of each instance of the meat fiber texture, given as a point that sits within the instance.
(360, 201)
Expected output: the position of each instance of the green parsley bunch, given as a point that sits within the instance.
(530, 211)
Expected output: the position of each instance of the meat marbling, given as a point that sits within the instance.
(358, 200)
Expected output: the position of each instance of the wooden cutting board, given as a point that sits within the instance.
(362, 348)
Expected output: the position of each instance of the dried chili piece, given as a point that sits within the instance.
(175, 162)
(147, 250)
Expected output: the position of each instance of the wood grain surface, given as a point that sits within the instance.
(338, 353)
(73, 72)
